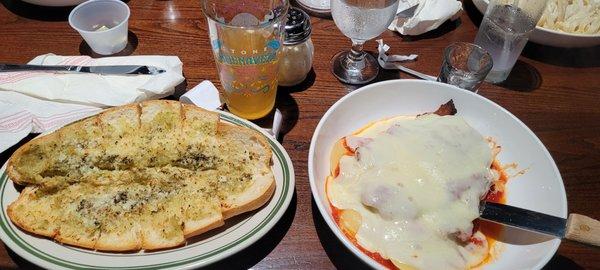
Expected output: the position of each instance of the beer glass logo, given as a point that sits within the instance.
(250, 56)
(248, 71)
(273, 44)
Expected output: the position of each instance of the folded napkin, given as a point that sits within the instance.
(21, 114)
(204, 95)
(35, 102)
(94, 89)
(428, 15)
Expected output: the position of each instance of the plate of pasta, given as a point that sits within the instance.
(565, 23)
(397, 170)
(55, 3)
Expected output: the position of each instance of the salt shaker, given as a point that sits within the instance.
(297, 52)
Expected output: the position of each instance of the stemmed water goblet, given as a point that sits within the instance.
(360, 20)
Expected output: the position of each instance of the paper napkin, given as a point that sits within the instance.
(204, 95)
(420, 16)
(21, 114)
(35, 102)
(95, 89)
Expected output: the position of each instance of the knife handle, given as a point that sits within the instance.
(17, 67)
(583, 229)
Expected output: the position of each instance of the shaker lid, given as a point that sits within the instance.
(297, 27)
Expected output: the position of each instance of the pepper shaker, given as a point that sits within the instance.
(297, 52)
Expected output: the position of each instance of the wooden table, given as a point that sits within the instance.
(556, 92)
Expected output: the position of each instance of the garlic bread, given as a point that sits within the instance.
(142, 176)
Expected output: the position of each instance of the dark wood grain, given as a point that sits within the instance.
(556, 92)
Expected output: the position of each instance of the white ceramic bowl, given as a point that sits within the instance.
(55, 3)
(540, 188)
(550, 37)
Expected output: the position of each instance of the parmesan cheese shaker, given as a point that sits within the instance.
(297, 52)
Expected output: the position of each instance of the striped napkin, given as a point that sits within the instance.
(18, 117)
(36, 102)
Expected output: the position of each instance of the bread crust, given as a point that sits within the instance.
(254, 204)
(209, 225)
(16, 218)
(252, 199)
(208, 126)
(11, 169)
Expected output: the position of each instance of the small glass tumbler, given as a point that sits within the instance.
(465, 65)
(102, 24)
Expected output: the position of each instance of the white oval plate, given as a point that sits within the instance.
(540, 188)
(551, 37)
(238, 233)
(55, 3)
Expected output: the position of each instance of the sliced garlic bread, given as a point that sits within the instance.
(38, 213)
(79, 223)
(247, 181)
(143, 176)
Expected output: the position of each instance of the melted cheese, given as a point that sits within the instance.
(417, 183)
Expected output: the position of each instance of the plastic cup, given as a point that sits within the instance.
(102, 24)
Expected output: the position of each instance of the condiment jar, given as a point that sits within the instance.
(297, 52)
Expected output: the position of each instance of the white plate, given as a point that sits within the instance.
(540, 188)
(202, 250)
(55, 3)
(317, 6)
(550, 37)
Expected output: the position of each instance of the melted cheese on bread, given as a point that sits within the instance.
(416, 183)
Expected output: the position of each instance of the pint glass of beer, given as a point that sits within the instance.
(246, 38)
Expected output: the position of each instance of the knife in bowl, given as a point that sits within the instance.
(577, 227)
(108, 70)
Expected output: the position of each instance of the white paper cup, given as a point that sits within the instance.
(91, 19)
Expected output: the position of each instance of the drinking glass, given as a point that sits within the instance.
(505, 30)
(246, 38)
(360, 20)
(465, 65)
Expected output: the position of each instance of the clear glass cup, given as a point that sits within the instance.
(246, 38)
(361, 21)
(465, 65)
(102, 24)
(505, 30)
